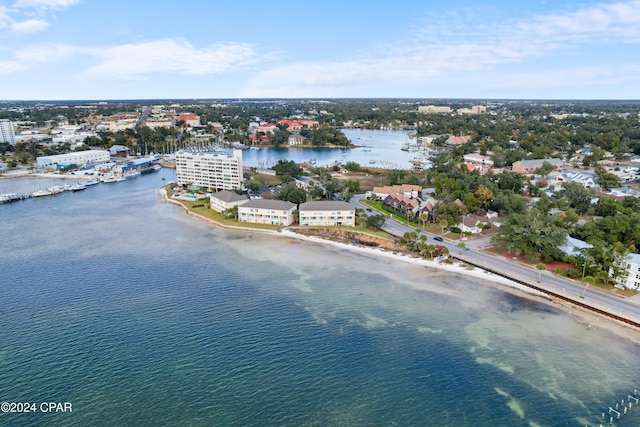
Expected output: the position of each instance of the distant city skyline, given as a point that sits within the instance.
(83, 49)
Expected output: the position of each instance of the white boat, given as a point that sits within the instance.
(254, 147)
(121, 178)
(89, 182)
(109, 178)
(78, 187)
(40, 193)
(56, 189)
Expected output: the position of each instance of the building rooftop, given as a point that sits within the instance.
(326, 205)
(280, 205)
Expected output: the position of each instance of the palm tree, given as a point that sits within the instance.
(540, 267)
(443, 225)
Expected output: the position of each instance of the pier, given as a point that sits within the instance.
(620, 408)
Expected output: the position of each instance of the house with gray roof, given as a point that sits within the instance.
(265, 211)
(225, 199)
(327, 213)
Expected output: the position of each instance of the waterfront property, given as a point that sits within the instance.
(78, 158)
(210, 170)
(264, 211)
(327, 213)
(225, 199)
(7, 134)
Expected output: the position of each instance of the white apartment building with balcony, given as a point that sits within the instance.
(327, 213)
(264, 211)
(7, 134)
(210, 170)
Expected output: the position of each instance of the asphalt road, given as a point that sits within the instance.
(568, 288)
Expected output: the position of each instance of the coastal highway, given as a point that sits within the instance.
(564, 287)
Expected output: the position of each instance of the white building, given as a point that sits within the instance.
(225, 199)
(78, 158)
(433, 109)
(7, 134)
(327, 213)
(264, 211)
(632, 278)
(210, 170)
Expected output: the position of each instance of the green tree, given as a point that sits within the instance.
(545, 169)
(292, 193)
(376, 221)
(609, 180)
(532, 233)
(395, 176)
(287, 168)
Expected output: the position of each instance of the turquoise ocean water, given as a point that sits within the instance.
(138, 314)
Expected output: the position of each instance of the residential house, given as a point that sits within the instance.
(407, 190)
(477, 162)
(292, 126)
(225, 199)
(296, 139)
(586, 179)
(267, 128)
(574, 247)
(403, 205)
(190, 120)
(265, 211)
(472, 223)
(458, 140)
(310, 124)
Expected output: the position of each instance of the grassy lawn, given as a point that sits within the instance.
(219, 218)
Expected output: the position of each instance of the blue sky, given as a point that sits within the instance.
(139, 49)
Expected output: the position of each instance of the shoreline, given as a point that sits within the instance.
(587, 318)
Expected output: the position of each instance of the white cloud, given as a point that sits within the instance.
(20, 17)
(29, 26)
(136, 60)
(168, 55)
(43, 5)
(439, 53)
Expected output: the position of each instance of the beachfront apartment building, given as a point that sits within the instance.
(327, 213)
(7, 134)
(78, 158)
(225, 199)
(210, 170)
(265, 211)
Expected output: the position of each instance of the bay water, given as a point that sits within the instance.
(138, 314)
